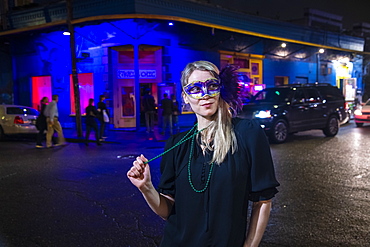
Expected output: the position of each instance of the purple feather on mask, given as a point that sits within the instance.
(230, 88)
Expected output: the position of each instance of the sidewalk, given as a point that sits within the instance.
(122, 136)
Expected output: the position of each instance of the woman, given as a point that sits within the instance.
(211, 172)
(41, 124)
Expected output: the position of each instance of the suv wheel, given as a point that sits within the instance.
(359, 124)
(279, 132)
(332, 126)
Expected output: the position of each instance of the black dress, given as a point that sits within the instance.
(218, 216)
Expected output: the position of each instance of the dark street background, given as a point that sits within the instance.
(80, 196)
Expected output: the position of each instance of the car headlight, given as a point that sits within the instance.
(263, 114)
(357, 112)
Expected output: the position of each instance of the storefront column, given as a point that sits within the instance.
(137, 85)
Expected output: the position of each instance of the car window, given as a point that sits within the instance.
(299, 96)
(312, 95)
(273, 95)
(21, 111)
(330, 93)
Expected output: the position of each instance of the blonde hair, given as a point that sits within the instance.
(219, 136)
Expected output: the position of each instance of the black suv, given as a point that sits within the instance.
(292, 108)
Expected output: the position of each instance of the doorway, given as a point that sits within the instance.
(126, 111)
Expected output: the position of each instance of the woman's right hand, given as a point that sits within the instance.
(139, 174)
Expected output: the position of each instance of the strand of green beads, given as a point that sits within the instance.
(189, 168)
(184, 139)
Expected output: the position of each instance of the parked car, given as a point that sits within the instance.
(362, 114)
(17, 119)
(293, 108)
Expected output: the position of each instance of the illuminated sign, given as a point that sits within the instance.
(130, 74)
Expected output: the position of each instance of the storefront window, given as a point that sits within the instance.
(41, 87)
(127, 101)
(145, 57)
(249, 72)
(241, 63)
(86, 85)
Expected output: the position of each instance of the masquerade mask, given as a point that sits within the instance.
(199, 89)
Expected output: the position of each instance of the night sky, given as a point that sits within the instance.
(352, 11)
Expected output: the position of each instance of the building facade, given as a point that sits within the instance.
(125, 47)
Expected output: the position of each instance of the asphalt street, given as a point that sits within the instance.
(79, 195)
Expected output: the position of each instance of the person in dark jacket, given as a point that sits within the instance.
(102, 109)
(166, 105)
(175, 113)
(91, 114)
(41, 124)
(148, 103)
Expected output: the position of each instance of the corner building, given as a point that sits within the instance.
(124, 47)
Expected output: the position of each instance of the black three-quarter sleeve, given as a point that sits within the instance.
(166, 184)
(262, 174)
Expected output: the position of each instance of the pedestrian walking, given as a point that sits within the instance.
(52, 118)
(41, 123)
(210, 172)
(148, 104)
(103, 117)
(91, 113)
(166, 105)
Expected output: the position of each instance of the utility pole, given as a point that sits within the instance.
(317, 66)
(76, 87)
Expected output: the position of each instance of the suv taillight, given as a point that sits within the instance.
(18, 120)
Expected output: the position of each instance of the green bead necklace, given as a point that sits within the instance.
(189, 168)
(184, 139)
(188, 136)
